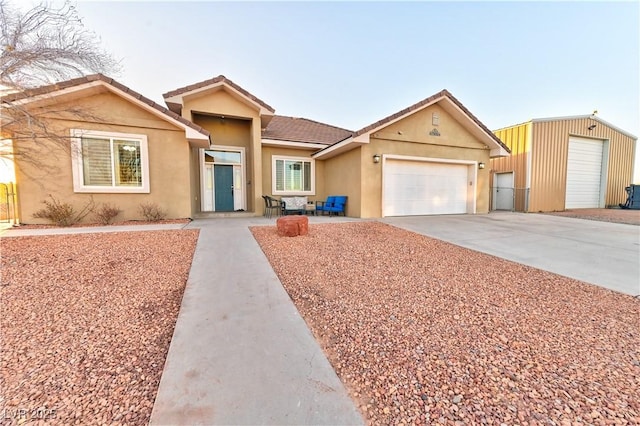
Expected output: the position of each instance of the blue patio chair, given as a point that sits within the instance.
(334, 204)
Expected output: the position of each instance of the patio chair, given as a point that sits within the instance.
(272, 205)
(294, 205)
(334, 204)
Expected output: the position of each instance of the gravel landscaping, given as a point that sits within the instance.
(425, 332)
(630, 217)
(95, 224)
(85, 324)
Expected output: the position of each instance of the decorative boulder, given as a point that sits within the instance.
(292, 226)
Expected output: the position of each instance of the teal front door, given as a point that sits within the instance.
(223, 182)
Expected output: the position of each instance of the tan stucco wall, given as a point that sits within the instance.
(218, 102)
(168, 162)
(416, 128)
(231, 132)
(240, 127)
(342, 176)
(410, 137)
(226, 131)
(194, 179)
(267, 168)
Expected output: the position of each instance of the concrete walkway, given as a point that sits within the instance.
(600, 253)
(241, 353)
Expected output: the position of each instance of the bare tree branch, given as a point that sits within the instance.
(34, 140)
(41, 46)
(45, 44)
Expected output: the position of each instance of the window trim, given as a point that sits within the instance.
(78, 169)
(274, 191)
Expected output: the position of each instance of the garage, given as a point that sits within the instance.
(427, 187)
(584, 173)
(567, 162)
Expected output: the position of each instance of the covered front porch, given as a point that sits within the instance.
(226, 176)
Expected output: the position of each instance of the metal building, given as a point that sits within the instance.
(562, 163)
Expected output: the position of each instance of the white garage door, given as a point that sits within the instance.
(584, 173)
(423, 188)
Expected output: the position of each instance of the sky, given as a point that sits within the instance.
(350, 64)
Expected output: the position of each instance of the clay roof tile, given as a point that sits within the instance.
(211, 81)
(303, 130)
(52, 88)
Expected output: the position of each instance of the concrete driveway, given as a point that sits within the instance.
(600, 253)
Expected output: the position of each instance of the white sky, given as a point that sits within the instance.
(350, 64)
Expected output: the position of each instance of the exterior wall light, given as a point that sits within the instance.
(376, 158)
(481, 165)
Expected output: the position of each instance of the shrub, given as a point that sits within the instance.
(105, 213)
(62, 213)
(152, 212)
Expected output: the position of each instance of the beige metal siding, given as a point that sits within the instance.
(549, 161)
(620, 173)
(517, 138)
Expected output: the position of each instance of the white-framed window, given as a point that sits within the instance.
(293, 175)
(109, 162)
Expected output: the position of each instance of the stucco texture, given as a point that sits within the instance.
(356, 174)
(168, 152)
(267, 168)
(232, 121)
(343, 176)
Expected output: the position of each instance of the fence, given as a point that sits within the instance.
(8, 203)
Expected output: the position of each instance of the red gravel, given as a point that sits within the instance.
(630, 217)
(422, 331)
(86, 322)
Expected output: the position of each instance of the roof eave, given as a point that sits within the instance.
(177, 108)
(361, 135)
(46, 97)
(293, 144)
(197, 139)
(475, 127)
(192, 134)
(498, 152)
(179, 98)
(452, 107)
(337, 148)
(580, 117)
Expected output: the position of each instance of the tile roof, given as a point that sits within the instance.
(280, 127)
(418, 105)
(218, 79)
(43, 90)
(303, 130)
